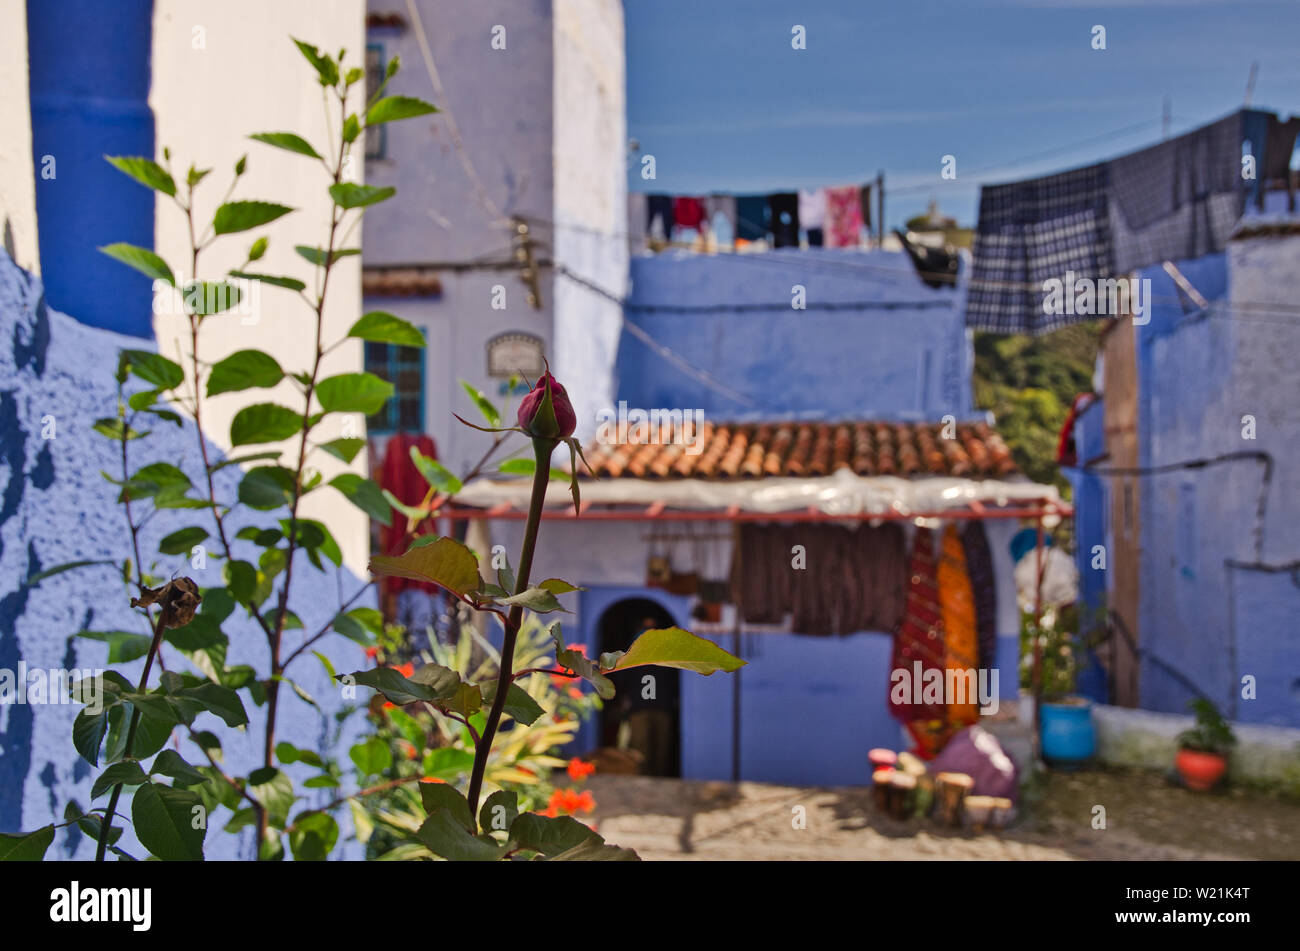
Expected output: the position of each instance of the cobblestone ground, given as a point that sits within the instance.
(1146, 819)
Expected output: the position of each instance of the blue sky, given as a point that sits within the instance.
(1011, 88)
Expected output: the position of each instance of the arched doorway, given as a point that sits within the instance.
(645, 715)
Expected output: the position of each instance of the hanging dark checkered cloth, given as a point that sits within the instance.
(1033, 231)
(979, 565)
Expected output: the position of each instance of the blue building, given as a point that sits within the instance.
(874, 350)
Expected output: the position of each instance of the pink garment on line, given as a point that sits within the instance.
(843, 216)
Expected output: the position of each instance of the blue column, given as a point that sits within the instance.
(90, 75)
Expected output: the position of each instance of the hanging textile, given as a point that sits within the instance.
(400, 477)
(638, 219)
(1175, 200)
(751, 217)
(783, 219)
(920, 641)
(1178, 199)
(689, 213)
(843, 217)
(960, 643)
(979, 565)
(721, 210)
(1030, 232)
(659, 223)
(812, 215)
(864, 199)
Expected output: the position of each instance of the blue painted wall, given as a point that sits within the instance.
(1092, 502)
(90, 74)
(910, 361)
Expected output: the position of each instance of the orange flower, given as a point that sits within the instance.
(388, 704)
(433, 779)
(568, 802)
(406, 670)
(410, 750)
(372, 652)
(578, 770)
(584, 801)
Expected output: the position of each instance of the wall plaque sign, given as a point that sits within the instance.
(515, 352)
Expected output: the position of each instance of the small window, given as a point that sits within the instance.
(376, 137)
(404, 368)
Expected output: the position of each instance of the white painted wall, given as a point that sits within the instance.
(590, 199)
(220, 73)
(17, 184)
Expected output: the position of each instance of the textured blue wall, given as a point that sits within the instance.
(90, 74)
(1091, 500)
(911, 361)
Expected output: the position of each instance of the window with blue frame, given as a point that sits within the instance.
(376, 137)
(404, 368)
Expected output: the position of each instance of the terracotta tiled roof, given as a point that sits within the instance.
(754, 450)
(400, 282)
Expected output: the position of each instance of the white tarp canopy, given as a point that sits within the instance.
(842, 493)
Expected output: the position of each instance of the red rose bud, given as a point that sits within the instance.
(546, 410)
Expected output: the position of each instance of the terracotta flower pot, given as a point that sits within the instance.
(1200, 771)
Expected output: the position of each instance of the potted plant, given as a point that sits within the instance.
(1066, 735)
(1203, 750)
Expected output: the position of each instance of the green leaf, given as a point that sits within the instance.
(92, 825)
(345, 449)
(241, 215)
(352, 195)
(88, 734)
(142, 259)
(580, 665)
(274, 790)
(170, 763)
(325, 66)
(257, 248)
(673, 647)
(163, 819)
(371, 757)
(596, 851)
(222, 701)
(443, 797)
(114, 428)
(153, 368)
(382, 327)
(126, 773)
(537, 600)
(499, 811)
(290, 282)
(145, 171)
(443, 561)
(288, 141)
(393, 108)
(485, 406)
(196, 175)
(210, 297)
(550, 836)
(353, 393)
(365, 495)
(244, 370)
(559, 586)
(314, 835)
(266, 487)
(393, 685)
(264, 422)
(182, 541)
(435, 473)
(123, 646)
(351, 629)
(447, 838)
(26, 846)
(519, 705)
(362, 824)
(318, 256)
(351, 125)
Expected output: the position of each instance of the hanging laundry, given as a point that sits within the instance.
(721, 211)
(843, 217)
(1030, 232)
(1179, 199)
(688, 213)
(979, 565)
(783, 219)
(638, 219)
(961, 649)
(751, 217)
(660, 222)
(812, 214)
(864, 199)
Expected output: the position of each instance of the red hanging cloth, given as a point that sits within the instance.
(399, 476)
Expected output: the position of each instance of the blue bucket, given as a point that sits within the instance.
(1068, 737)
